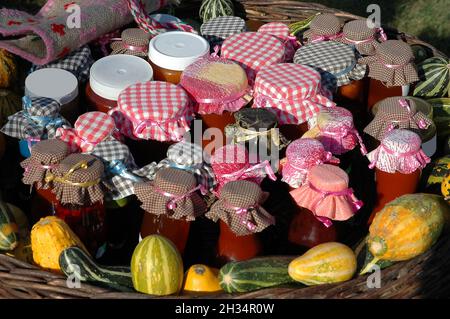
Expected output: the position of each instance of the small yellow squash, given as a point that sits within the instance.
(201, 278)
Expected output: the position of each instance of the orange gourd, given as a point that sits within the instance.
(201, 278)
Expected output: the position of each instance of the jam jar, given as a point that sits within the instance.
(111, 75)
(171, 52)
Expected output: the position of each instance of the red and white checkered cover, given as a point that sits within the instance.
(154, 111)
(281, 31)
(90, 129)
(253, 51)
(292, 91)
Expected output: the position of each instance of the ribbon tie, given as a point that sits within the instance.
(117, 167)
(243, 213)
(141, 126)
(343, 132)
(172, 203)
(135, 48)
(319, 38)
(248, 135)
(65, 179)
(390, 152)
(248, 169)
(348, 193)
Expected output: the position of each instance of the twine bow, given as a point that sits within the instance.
(348, 193)
(65, 179)
(172, 203)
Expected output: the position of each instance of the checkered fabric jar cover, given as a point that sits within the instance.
(336, 131)
(239, 206)
(173, 193)
(121, 172)
(216, 30)
(133, 41)
(358, 34)
(397, 112)
(216, 85)
(90, 129)
(281, 31)
(45, 156)
(290, 90)
(392, 64)
(78, 63)
(154, 111)
(337, 62)
(323, 27)
(253, 51)
(39, 120)
(191, 158)
(77, 180)
(399, 151)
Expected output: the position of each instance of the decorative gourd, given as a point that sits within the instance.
(10, 103)
(201, 278)
(441, 168)
(406, 227)
(254, 274)
(21, 220)
(157, 267)
(434, 74)
(75, 262)
(49, 237)
(323, 264)
(9, 231)
(441, 116)
(8, 69)
(23, 250)
(445, 187)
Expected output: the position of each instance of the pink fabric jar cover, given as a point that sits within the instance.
(399, 151)
(302, 155)
(253, 51)
(281, 31)
(153, 110)
(232, 163)
(90, 129)
(326, 194)
(216, 85)
(336, 131)
(292, 91)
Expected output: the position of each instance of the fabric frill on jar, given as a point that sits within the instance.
(281, 31)
(365, 39)
(324, 27)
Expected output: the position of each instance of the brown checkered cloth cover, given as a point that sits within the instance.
(325, 24)
(69, 193)
(175, 183)
(247, 196)
(392, 64)
(358, 34)
(133, 37)
(45, 155)
(391, 114)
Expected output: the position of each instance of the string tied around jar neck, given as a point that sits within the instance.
(172, 203)
(405, 104)
(65, 179)
(326, 37)
(248, 134)
(343, 132)
(243, 213)
(250, 168)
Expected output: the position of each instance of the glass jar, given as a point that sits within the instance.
(378, 92)
(59, 85)
(171, 52)
(111, 75)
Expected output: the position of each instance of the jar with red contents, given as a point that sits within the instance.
(340, 70)
(293, 92)
(153, 115)
(79, 193)
(219, 88)
(305, 231)
(111, 75)
(242, 217)
(398, 163)
(391, 71)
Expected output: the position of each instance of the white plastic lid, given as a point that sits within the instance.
(177, 49)
(112, 74)
(57, 84)
(164, 18)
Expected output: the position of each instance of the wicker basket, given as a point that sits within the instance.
(425, 276)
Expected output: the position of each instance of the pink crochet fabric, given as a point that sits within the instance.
(327, 195)
(399, 151)
(302, 155)
(47, 36)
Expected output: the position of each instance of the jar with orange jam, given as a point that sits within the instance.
(171, 52)
(111, 75)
